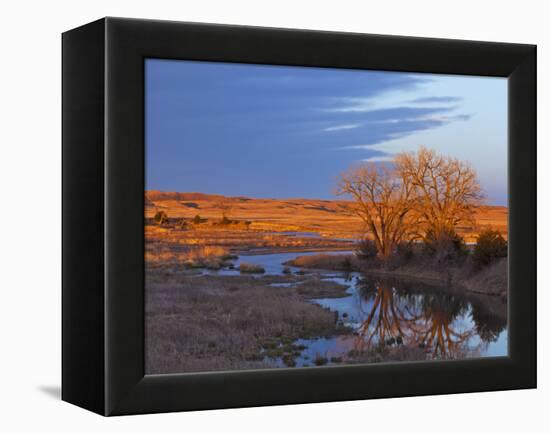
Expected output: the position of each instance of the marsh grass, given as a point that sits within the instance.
(195, 256)
(251, 268)
(235, 236)
(204, 323)
(326, 262)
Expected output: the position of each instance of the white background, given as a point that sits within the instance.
(30, 216)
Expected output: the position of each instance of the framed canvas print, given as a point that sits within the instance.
(258, 216)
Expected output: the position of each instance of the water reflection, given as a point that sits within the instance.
(435, 322)
(489, 325)
(386, 315)
(439, 330)
(405, 314)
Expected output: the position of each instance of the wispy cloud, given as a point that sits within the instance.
(351, 105)
(435, 99)
(342, 127)
(429, 117)
(378, 159)
(440, 118)
(369, 104)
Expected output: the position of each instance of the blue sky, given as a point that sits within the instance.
(282, 132)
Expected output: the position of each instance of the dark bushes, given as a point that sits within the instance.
(446, 247)
(401, 256)
(489, 247)
(405, 250)
(366, 249)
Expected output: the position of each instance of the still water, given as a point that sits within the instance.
(441, 323)
(444, 325)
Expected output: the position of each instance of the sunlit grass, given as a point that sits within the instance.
(164, 255)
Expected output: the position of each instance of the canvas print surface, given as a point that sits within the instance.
(303, 217)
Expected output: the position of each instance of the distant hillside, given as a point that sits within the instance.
(311, 215)
(156, 195)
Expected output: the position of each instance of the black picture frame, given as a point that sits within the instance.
(103, 219)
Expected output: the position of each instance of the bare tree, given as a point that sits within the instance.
(382, 199)
(160, 217)
(225, 206)
(447, 190)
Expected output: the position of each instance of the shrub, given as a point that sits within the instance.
(405, 251)
(490, 245)
(346, 264)
(366, 249)
(198, 220)
(225, 221)
(401, 256)
(446, 247)
(160, 217)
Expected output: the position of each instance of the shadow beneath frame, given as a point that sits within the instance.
(51, 391)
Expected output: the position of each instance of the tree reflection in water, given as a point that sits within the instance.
(406, 314)
(437, 331)
(488, 324)
(386, 318)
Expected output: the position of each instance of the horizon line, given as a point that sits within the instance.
(277, 198)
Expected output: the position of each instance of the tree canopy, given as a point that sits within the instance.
(416, 194)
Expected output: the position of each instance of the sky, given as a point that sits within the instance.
(286, 132)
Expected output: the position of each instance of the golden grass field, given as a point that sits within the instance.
(328, 218)
(206, 312)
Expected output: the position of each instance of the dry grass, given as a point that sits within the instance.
(251, 268)
(325, 261)
(326, 217)
(159, 255)
(201, 252)
(234, 238)
(205, 323)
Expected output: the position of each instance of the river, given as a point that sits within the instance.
(444, 324)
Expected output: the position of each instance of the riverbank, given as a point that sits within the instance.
(208, 322)
(491, 280)
(214, 245)
(203, 322)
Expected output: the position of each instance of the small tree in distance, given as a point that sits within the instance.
(160, 217)
(225, 206)
(197, 220)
